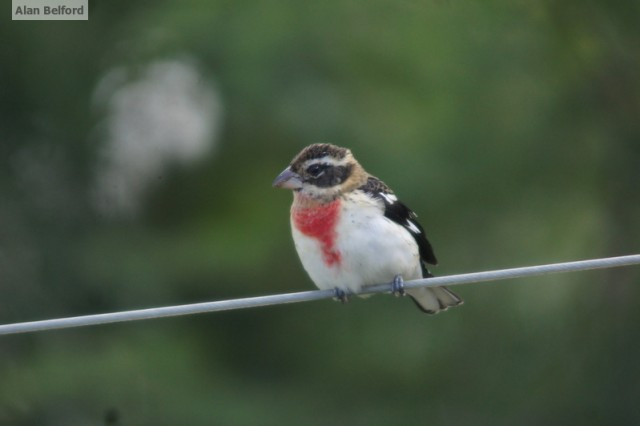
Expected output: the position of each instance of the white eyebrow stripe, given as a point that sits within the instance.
(412, 227)
(327, 159)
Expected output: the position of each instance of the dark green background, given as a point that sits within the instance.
(511, 128)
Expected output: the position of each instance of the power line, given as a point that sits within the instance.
(306, 296)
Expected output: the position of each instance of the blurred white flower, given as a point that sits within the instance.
(169, 115)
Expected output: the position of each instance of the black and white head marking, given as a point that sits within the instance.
(323, 165)
(399, 213)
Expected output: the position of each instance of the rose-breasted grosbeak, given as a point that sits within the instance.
(351, 231)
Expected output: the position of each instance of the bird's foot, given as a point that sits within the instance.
(397, 286)
(341, 295)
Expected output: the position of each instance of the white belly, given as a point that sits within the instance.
(372, 250)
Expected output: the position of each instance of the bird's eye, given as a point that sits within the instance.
(316, 170)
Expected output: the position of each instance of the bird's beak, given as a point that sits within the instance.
(288, 180)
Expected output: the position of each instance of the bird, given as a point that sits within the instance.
(350, 230)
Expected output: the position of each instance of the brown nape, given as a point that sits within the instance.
(358, 178)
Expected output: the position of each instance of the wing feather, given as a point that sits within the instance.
(403, 216)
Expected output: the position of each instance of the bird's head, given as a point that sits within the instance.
(321, 172)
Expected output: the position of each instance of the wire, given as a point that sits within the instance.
(306, 296)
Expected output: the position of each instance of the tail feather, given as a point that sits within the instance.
(432, 300)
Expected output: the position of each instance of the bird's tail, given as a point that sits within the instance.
(432, 300)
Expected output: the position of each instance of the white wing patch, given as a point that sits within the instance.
(412, 227)
(389, 197)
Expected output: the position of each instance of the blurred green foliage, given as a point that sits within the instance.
(512, 128)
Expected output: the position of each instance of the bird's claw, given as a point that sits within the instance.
(397, 286)
(341, 295)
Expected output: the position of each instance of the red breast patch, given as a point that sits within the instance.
(320, 222)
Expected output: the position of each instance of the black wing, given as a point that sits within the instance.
(403, 216)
